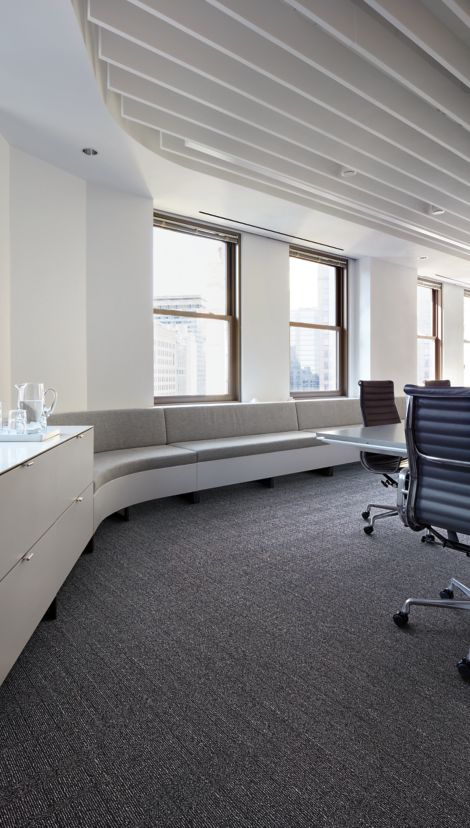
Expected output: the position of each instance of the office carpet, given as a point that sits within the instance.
(234, 664)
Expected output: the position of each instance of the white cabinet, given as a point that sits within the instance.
(46, 520)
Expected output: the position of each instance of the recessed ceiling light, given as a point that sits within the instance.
(347, 172)
(89, 151)
(435, 211)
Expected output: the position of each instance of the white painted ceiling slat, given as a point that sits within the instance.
(419, 25)
(194, 160)
(207, 92)
(362, 90)
(416, 76)
(288, 93)
(182, 48)
(179, 126)
(196, 83)
(461, 9)
(317, 149)
(363, 32)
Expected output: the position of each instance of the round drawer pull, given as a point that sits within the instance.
(28, 556)
(79, 500)
(28, 464)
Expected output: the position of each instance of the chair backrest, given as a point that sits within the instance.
(438, 443)
(437, 383)
(377, 399)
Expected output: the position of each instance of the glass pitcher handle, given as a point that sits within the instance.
(48, 410)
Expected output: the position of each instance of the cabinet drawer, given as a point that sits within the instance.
(28, 590)
(34, 495)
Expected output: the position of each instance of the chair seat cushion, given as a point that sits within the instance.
(112, 464)
(223, 447)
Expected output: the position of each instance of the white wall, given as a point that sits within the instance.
(393, 323)
(119, 299)
(359, 321)
(5, 355)
(264, 328)
(76, 298)
(383, 320)
(452, 333)
(48, 278)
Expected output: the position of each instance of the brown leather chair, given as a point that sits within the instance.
(437, 383)
(377, 400)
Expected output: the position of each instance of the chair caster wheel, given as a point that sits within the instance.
(401, 619)
(446, 594)
(463, 667)
(365, 515)
(368, 530)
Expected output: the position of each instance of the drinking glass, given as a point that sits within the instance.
(17, 420)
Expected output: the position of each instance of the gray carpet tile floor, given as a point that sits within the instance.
(233, 664)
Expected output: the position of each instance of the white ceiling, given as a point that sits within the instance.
(250, 108)
(50, 105)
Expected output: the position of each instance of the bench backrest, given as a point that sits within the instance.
(334, 413)
(194, 422)
(119, 428)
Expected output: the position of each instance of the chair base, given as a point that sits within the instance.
(446, 601)
(388, 511)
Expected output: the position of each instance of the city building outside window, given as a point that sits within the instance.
(466, 336)
(195, 311)
(429, 331)
(317, 324)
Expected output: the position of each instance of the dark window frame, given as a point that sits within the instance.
(233, 241)
(341, 268)
(436, 335)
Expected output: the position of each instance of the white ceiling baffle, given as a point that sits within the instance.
(361, 107)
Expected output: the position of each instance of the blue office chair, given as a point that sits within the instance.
(434, 493)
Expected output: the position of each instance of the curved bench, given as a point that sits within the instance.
(148, 453)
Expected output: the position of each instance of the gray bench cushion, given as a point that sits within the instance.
(119, 428)
(235, 420)
(225, 447)
(112, 464)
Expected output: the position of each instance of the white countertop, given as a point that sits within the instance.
(15, 454)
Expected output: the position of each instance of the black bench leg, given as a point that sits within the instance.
(194, 497)
(126, 514)
(328, 471)
(89, 547)
(51, 612)
(268, 482)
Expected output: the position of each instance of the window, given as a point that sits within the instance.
(317, 324)
(194, 307)
(429, 331)
(466, 337)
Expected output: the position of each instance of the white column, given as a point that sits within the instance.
(383, 323)
(394, 323)
(5, 352)
(48, 286)
(452, 333)
(119, 299)
(264, 319)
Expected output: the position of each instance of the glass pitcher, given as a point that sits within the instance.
(32, 398)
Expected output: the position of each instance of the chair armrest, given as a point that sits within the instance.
(402, 493)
